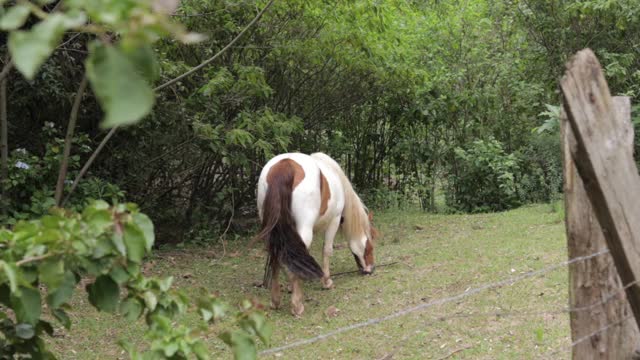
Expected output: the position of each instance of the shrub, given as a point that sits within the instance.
(29, 190)
(541, 169)
(383, 198)
(43, 260)
(483, 178)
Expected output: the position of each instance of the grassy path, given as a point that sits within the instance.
(438, 256)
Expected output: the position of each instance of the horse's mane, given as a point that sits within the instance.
(356, 221)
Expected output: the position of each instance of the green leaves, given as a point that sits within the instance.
(146, 226)
(25, 331)
(122, 92)
(244, 348)
(104, 294)
(131, 309)
(27, 305)
(150, 300)
(255, 323)
(30, 49)
(239, 137)
(134, 240)
(14, 17)
(60, 295)
(211, 308)
(52, 273)
(84, 244)
(142, 57)
(11, 274)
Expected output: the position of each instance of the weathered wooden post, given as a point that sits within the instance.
(595, 279)
(599, 166)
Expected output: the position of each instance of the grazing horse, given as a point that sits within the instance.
(299, 195)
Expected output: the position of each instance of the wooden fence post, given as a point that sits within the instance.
(592, 280)
(606, 166)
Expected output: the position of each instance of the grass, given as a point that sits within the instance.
(438, 256)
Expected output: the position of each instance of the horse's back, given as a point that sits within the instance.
(306, 201)
(331, 171)
(303, 193)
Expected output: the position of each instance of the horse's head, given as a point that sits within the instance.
(362, 250)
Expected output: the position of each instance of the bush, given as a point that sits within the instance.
(483, 178)
(29, 190)
(383, 198)
(541, 169)
(42, 262)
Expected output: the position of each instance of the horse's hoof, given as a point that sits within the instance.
(289, 288)
(297, 310)
(327, 283)
(275, 306)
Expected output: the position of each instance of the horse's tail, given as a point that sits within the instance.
(284, 244)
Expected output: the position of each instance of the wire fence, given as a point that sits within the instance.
(570, 347)
(472, 291)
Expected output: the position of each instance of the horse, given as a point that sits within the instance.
(300, 195)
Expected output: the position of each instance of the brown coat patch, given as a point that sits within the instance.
(368, 253)
(325, 194)
(284, 166)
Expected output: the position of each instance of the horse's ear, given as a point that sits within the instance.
(370, 215)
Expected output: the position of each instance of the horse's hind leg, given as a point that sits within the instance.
(327, 251)
(297, 307)
(276, 296)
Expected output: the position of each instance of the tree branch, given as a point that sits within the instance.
(68, 139)
(160, 87)
(5, 70)
(33, 259)
(4, 141)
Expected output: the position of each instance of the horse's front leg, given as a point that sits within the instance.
(297, 307)
(327, 251)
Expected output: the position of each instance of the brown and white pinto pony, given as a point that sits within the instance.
(299, 195)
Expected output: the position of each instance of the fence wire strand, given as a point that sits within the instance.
(500, 314)
(603, 329)
(467, 293)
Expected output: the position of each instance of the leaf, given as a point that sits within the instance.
(244, 348)
(206, 314)
(99, 220)
(74, 18)
(123, 94)
(51, 273)
(27, 306)
(119, 275)
(142, 57)
(146, 225)
(11, 272)
(118, 242)
(62, 317)
(15, 17)
(256, 323)
(30, 49)
(200, 350)
(134, 240)
(219, 308)
(165, 284)
(25, 331)
(150, 300)
(104, 294)
(131, 309)
(265, 332)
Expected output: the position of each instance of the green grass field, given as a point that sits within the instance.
(438, 256)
